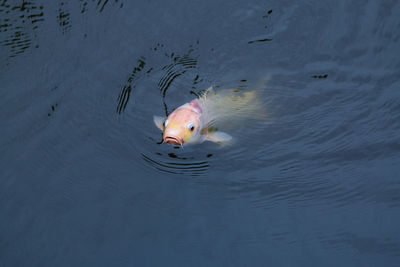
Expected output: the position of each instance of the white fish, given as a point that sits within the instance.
(198, 120)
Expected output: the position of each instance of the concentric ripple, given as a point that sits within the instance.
(178, 165)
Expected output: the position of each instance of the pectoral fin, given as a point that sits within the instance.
(159, 122)
(218, 137)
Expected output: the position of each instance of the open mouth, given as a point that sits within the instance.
(173, 140)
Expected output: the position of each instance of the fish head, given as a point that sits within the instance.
(182, 126)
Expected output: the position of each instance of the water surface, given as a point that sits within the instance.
(85, 180)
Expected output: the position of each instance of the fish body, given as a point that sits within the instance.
(198, 120)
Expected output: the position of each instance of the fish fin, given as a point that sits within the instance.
(206, 93)
(218, 137)
(159, 122)
(210, 89)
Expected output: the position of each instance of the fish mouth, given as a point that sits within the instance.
(173, 140)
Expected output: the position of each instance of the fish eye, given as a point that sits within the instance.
(165, 123)
(191, 126)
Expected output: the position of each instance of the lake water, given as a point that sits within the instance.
(85, 180)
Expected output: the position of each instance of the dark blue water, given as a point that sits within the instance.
(84, 180)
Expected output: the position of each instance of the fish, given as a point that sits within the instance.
(200, 119)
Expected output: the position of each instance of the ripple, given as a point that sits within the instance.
(15, 24)
(130, 84)
(170, 72)
(100, 5)
(363, 244)
(336, 147)
(180, 65)
(179, 166)
(64, 18)
(260, 40)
